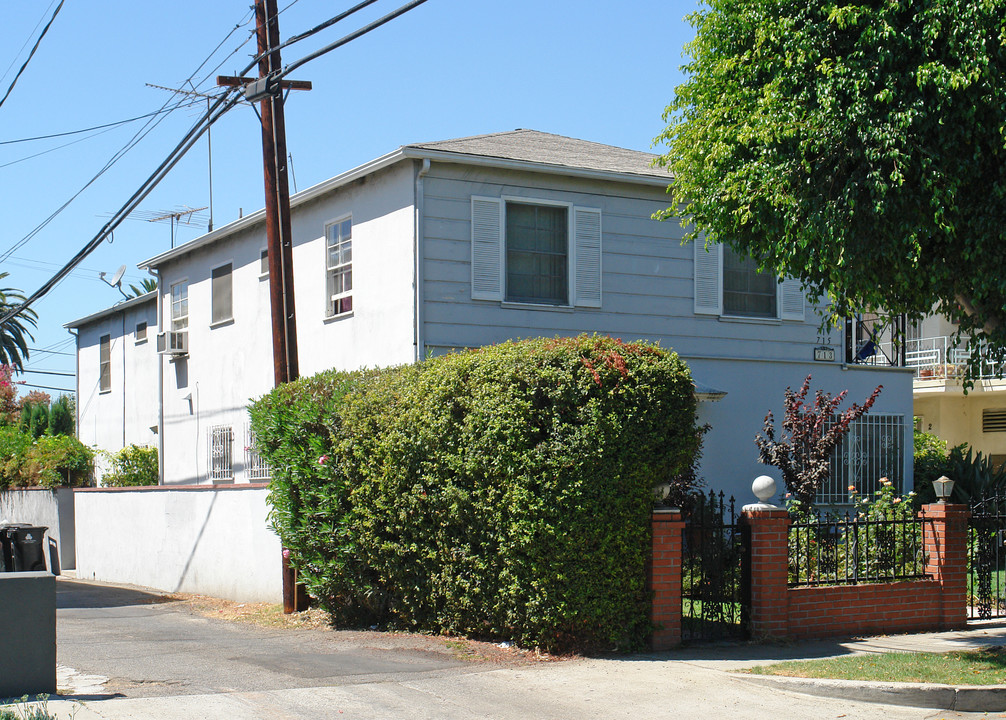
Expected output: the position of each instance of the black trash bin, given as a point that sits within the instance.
(6, 549)
(28, 548)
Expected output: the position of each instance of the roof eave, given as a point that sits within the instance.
(407, 152)
(420, 153)
(118, 307)
(259, 216)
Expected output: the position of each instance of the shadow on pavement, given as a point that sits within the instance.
(78, 594)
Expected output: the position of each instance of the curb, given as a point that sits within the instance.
(966, 698)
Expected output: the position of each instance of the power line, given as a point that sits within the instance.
(49, 372)
(26, 41)
(32, 53)
(95, 127)
(232, 97)
(44, 387)
(137, 137)
(51, 352)
(224, 102)
(349, 38)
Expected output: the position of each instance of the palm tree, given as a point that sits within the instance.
(146, 285)
(14, 334)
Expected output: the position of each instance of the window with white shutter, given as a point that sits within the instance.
(729, 284)
(536, 252)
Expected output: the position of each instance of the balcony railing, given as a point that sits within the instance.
(937, 358)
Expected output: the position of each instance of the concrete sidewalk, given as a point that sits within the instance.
(125, 654)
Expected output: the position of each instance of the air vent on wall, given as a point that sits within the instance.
(993, 421)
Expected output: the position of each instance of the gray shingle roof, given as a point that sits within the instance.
(539, 147)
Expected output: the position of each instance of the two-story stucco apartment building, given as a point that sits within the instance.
(456, 244)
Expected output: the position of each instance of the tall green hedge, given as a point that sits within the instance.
(503, 492)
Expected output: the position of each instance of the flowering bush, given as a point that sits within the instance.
(879, 540)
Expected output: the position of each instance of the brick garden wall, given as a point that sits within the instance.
(780, 612)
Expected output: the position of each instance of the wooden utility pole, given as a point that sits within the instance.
(278, 233)
(277, 202)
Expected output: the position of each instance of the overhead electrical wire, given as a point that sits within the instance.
(26, 41)
(228, 99)
(89, 129)
(223, 103)
(32, 53)
(148, 127)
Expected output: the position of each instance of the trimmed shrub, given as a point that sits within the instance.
(132, 466)
(57, 461)
(504, 492)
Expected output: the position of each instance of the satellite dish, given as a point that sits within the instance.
(117, 278)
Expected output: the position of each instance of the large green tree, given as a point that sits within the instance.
(857, 145)
(14, 333)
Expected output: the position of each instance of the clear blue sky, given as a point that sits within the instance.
(449, 68)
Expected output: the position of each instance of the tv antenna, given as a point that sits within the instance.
(116, 280)
(209, 141)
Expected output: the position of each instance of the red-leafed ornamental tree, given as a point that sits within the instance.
(810, 431)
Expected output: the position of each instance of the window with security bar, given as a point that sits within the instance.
(221, 453)
(258, 468)
(874, 448)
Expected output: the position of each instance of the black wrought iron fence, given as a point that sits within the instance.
(851, 549)
(715, 586)
(987, 558)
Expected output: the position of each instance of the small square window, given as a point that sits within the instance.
(140, 335)
(263, 265)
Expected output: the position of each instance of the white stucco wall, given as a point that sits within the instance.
(753, 388)
(209, 541)
(127, 412)
(52, 509)
(231, 363)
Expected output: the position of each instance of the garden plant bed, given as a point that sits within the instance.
(985, 666)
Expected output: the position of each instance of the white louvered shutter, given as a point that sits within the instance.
(587, 256)
(487, 249)
(708, 279)
(791, 300)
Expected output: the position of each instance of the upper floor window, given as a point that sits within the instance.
(536, 251)
(105, 363)
(728, 284)
(747, 292)
(222, 294)
(180, 306)
(340, 267)
(140, 334)
(263, 262)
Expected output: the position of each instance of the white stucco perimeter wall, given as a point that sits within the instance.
(206, 540)
(51, 509)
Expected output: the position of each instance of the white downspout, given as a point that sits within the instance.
(418, 270)
(160, 383)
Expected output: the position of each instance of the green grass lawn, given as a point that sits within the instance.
(977, 667)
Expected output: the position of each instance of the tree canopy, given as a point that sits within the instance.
(857, 145)
(14, 334)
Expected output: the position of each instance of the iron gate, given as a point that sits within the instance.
(986, 595)
(715, 577)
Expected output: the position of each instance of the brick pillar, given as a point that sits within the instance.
(663, 578)
(769, 548)
(945, 539)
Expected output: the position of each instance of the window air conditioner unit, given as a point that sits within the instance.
(173, 343)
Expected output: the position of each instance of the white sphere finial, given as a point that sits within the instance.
(764, 489)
